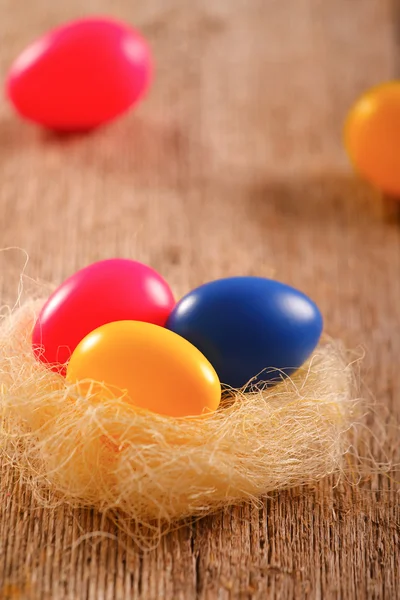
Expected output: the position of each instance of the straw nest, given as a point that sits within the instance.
(108, 455)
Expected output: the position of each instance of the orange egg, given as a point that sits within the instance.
(156, 368)
(372, 137)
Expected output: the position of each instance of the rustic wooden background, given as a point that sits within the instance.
(233, 165)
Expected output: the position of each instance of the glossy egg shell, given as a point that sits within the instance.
(80, 75)
(110, 290)
(372, 137)
(159, 370)
(248, 327)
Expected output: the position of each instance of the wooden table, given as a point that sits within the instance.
(233, 165)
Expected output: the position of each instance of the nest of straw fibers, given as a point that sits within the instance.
(109, 455)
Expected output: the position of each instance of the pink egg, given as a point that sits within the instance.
(80, 75)
(109, 290)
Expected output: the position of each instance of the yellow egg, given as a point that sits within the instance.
(159, 370)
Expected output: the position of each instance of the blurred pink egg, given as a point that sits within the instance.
(80, 75)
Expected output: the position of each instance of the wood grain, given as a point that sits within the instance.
(233, 165)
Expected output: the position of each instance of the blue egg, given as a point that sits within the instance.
(249, 328)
